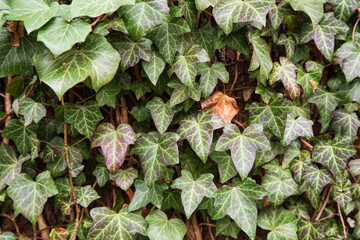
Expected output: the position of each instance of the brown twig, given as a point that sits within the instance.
(12, 219)
(331, 215)
(324, 204)
(124, 113)
(43, 225)
(236, 73)
(354, 29)
(77, 222)
(342, 220)
(307, 144)
(78, 141)
(7, 108)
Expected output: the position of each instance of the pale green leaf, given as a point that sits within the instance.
(343, 9)
(308, 81)
(310, 230)
(85, 195)
(286, 72)
(297, 127)
(345, 124)
(350, 53)
(31, 110)
(124, 178)
(182, 92)
(154, 67)
(94, 8)
(313, 8)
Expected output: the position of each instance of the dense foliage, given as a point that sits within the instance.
(115, 124)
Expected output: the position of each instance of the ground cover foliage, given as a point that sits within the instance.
(188, 119)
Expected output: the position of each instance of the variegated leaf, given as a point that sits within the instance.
(124, 178)
(297, 127)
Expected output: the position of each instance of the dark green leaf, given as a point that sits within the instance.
(85, 195)
(210, 75)
(225, 164)
(310, 230)
(182, 92)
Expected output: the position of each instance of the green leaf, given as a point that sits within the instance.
(272, 116)
(115, 23)
(22, 135)
(95, 59)
(204, 36)
(310, 230)
(201, 5)
(342, 191)
(313, 8)
(193, 191)
(343, 9)
(83, 117)
(289, 43)
(145, 195)
(225, 164)
(185, 64)
(308, 81)
(210, 75)
(162, 113)
(297, 127)
(111, 225)
(59, 35)
(8, 236)
(141, 113)
(102, 175)
(228, 12)
(355, 167)
(144, 16)
(300, 207)
(278, 12)
(199, 131)
(243, 146)
(107, 94)
(131, 51)
(239, 203)
(34, 13)
(317, 178)
(236, 40)
(345, 124)
(114, 143)
(15, 60)
(162, 228)
(156, 152)
(94, 8)
(166, 37)
(29, 197)
(286, 72)
(124, 178)
(280, 185)
(31, 110)
(350, 53)
(59, 233)
(187, 9)
(226, 227)
(261, 55)
(154, 67)
(140, 88)
(334, 154)
(10, 165)
(182, 92)
(85, 195)
(281, 223)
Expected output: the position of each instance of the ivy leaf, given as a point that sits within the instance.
(342, 191)
(261, 55)
(210, 75)
(59, 233)
(334, 154)
(308, 81)
(161, 113)
(343, 9)
(278, 12)
(226, 227)
(182, 92)
(59, 36)
(345, 124)
(22, 135)
(140, 88)
(313, 8)
(124, 178)
(289, 43)
(154, 67)
(310, 230)
(354, 166)
(327, 102)
(34, 13)
(271, 116)
(107, 94)
(199, 131)
(95, 59)
(193, 191)
(185, 64)
(228, 12)
(145, 195)
(297, 127)
(280, 185)
(165, 37)
(84, 118)
(243, 146)
(131, 51)
(144, 16)
(281, 223)
(162, 228)
(114, 143)
(109, 224)
(317, 178)
(15, 60)
(286, 72)
(236, 40)
(85, 195)
(93, 8)
(187, 9)
(239, 203)
(102, 175)
(29, 197)
(350, 53)
(225, 164)
(201, 5)
(31, 110)
(156, 152)
(204, 36)
(324, 34)
(10, 165)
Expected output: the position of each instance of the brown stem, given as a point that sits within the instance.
(118, 118)
(342, 221)
(77, 222)
(356, 23)
(197, 229)
(7, 108)
(43, 226)
(124, 113)
(236, 73)
(307, 144)
(12, 219)
(324, 204)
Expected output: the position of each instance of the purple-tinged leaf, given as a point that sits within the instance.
(124, 178)
(345, 124)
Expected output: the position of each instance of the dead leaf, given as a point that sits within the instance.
(223, 106)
